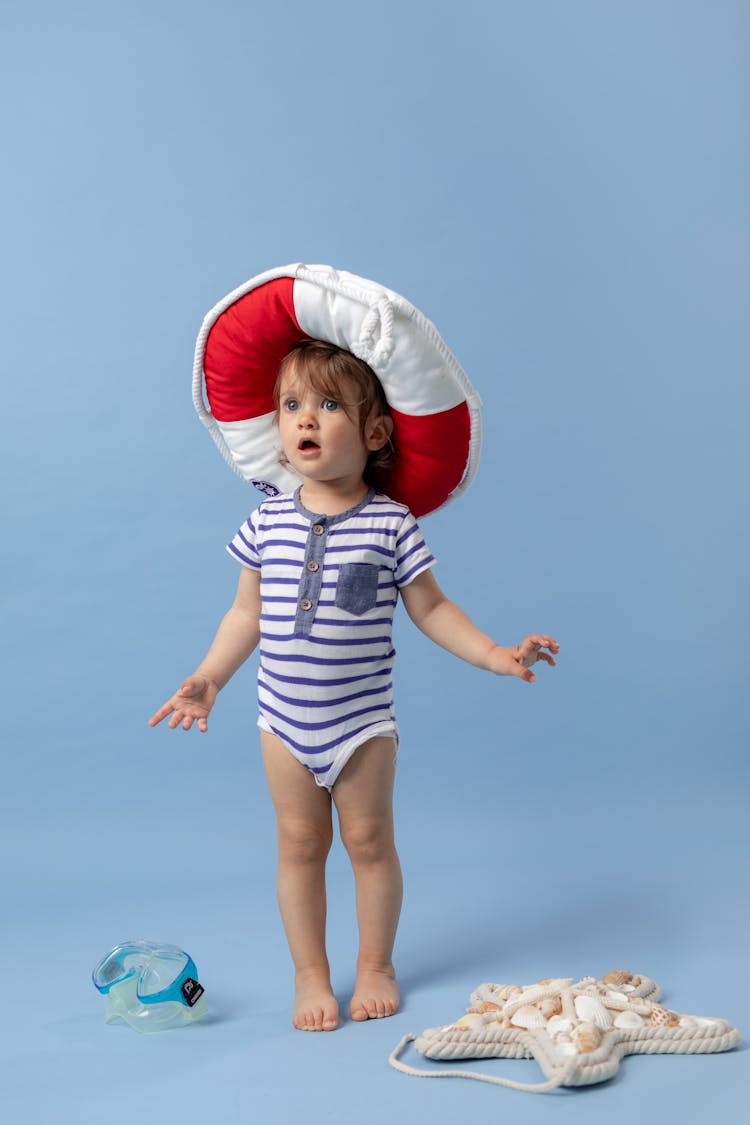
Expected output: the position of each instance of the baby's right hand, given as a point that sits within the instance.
(191, 703)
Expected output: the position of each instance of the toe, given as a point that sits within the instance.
(357, 1010)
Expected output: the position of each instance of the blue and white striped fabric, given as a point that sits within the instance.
(329, 586)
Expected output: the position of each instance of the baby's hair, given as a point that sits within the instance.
(335, 373)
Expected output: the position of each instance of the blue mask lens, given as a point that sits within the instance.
(164, 972)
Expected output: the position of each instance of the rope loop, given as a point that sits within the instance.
(561, 1076)
(380, 315)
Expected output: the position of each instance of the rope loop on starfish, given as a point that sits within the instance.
(560, 1078)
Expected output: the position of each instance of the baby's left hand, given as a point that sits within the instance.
(517, 661)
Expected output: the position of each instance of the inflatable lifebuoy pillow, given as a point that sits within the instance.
(436, 411)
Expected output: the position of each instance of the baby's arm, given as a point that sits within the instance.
(235, 639)
(443, 622)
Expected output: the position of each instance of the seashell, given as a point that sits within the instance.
(586, 1037)
(487, 992)
(636, 981)
(495, 1019)
(705, 1021)
(689, 1022)
(562, 982)
(566, 1046)
(617, 977)
(593, 1011)
(528, 1016)
(510, 992)
(487, 1006)
(616, 1000)
(470, 1022)
(559, 1026)
(627, 987)
(628, 1020)
(550, 1006)
(662, 1017)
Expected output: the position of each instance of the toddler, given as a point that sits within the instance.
(322, 569)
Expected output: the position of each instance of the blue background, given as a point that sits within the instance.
(563, 188)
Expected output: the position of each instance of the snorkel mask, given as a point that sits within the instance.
(151, 987)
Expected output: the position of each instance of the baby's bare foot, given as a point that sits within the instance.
(376, 994)
(315, 1006)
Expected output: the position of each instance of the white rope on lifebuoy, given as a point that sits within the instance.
(383, 312)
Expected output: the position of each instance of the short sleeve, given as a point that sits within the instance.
(244, 546)
(412, 553)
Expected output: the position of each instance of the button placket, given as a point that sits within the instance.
(312, 577)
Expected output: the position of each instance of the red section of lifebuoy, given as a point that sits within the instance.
(244, 348)
(433, 452)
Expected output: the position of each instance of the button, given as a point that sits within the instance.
(318, 529)
(305, 604)
(313, 566)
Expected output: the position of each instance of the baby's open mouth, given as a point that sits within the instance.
(307, 444)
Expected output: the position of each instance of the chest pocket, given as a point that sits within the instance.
(357, 587)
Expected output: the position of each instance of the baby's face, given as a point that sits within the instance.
(321, 439)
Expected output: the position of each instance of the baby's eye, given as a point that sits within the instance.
(291, 404)
(330, 404)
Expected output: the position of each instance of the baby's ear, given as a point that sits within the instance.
(378, 429)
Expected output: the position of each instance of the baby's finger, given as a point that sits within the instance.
(523, 673)
(543, 639)
(176, 719)
(160, 714)
(188, 722)
(202, 725)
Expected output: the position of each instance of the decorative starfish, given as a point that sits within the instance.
(576, 1032)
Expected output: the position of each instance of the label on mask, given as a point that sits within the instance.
(192, 991)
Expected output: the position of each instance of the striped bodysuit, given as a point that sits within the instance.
(329, 586)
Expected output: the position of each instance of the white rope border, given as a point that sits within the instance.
(582, 1070)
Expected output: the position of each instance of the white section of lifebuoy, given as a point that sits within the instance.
(378, 325)
(255, 445)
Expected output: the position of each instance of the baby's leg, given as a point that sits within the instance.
(363, 795)
(304, 829)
